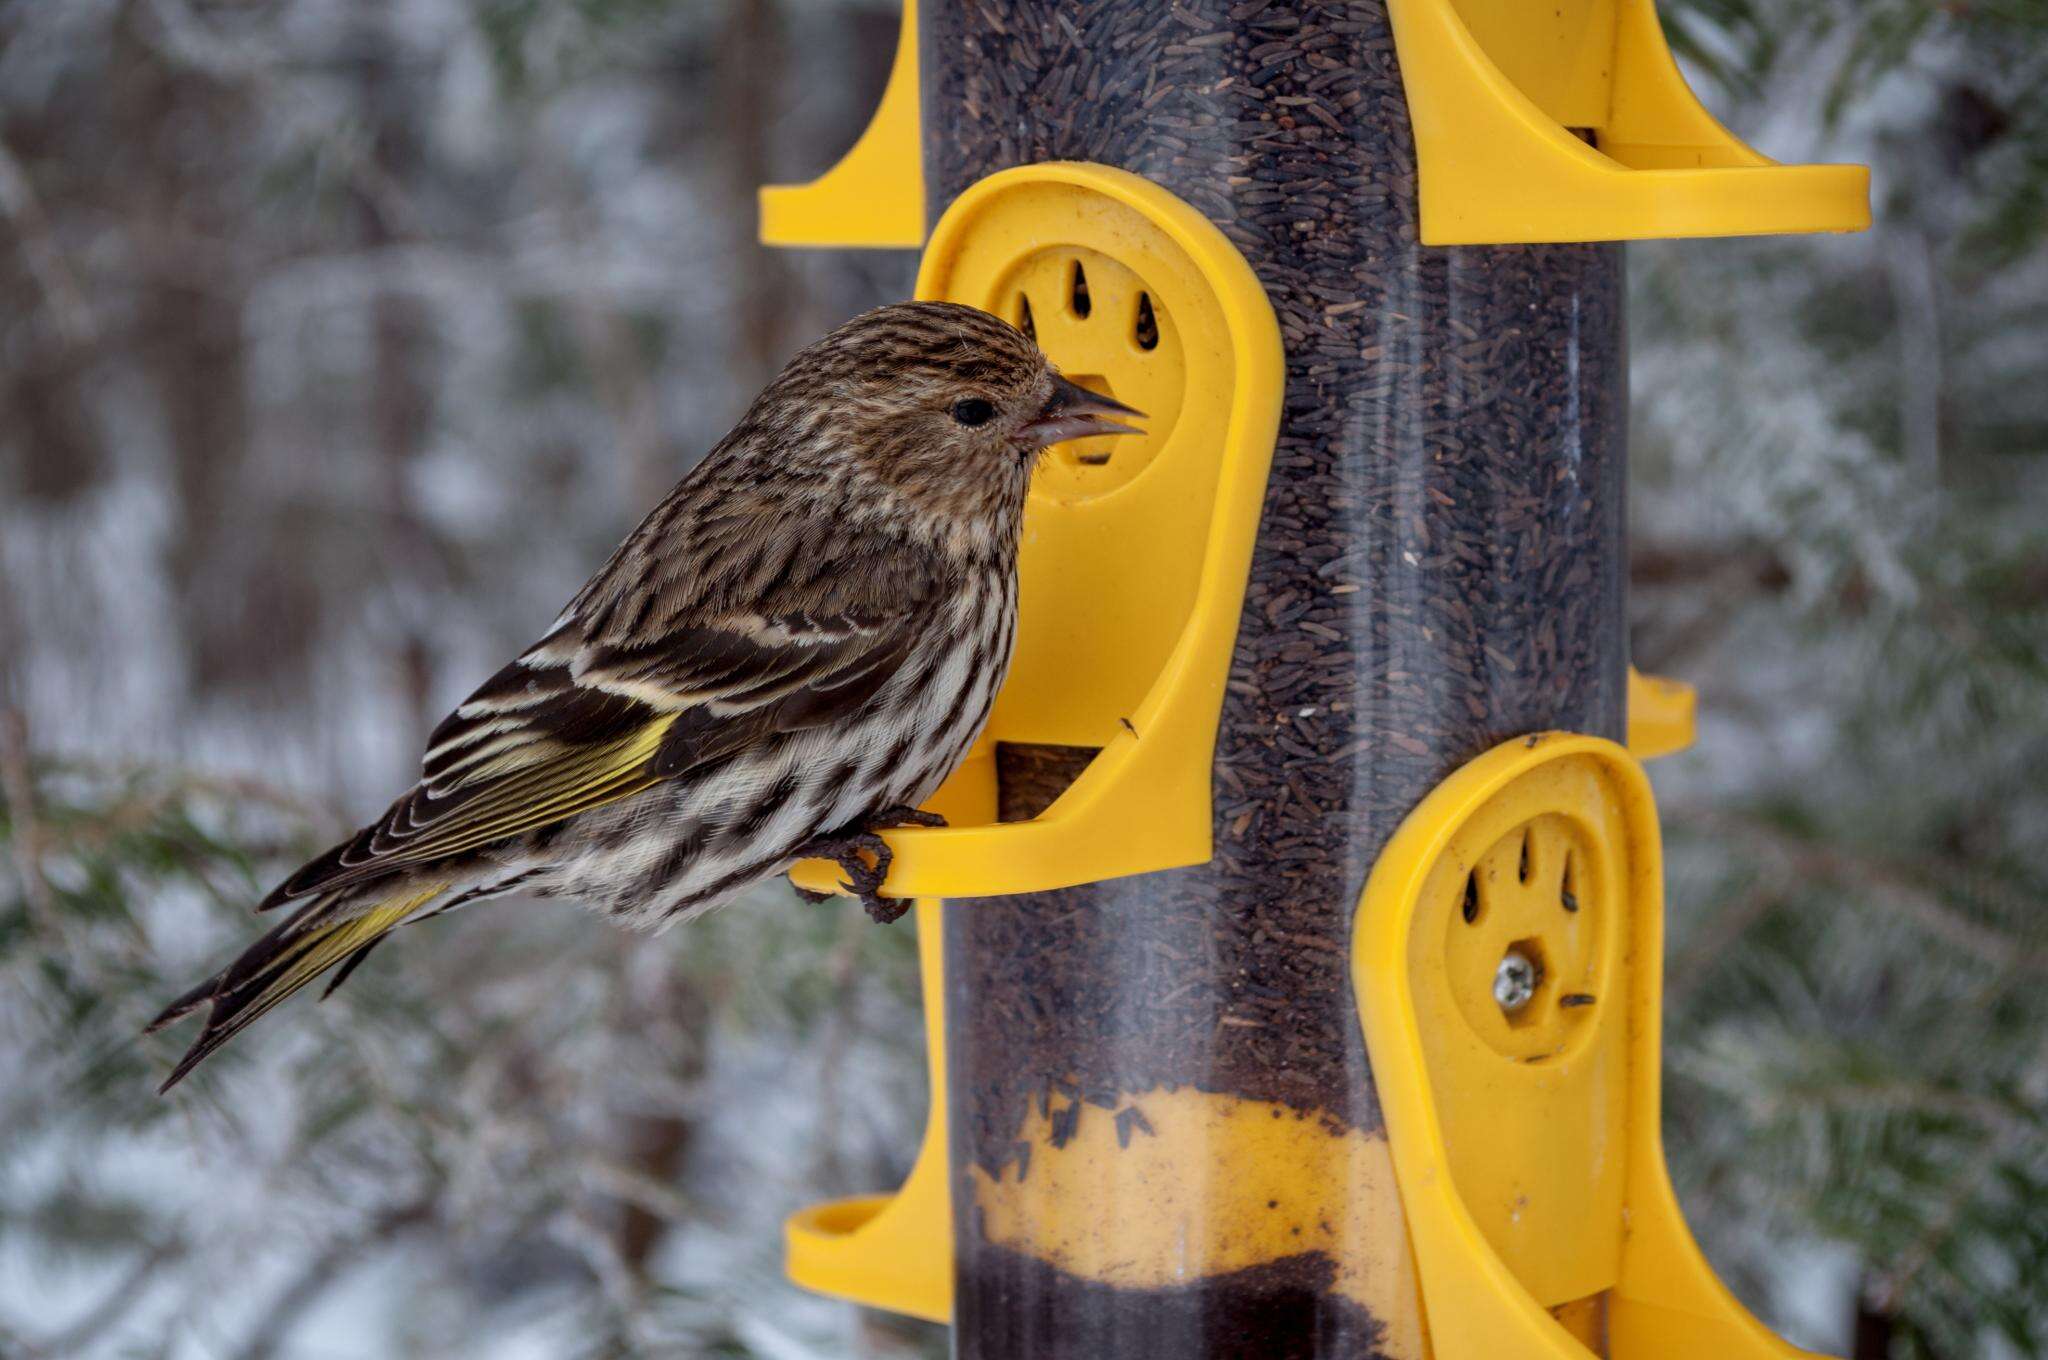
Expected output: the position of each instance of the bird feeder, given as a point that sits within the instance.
(1292, 958)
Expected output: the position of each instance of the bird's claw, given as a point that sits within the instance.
(889, 819)
(864, 857)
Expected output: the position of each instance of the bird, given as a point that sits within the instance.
(786, 656)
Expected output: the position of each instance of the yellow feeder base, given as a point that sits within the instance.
(1508, 957)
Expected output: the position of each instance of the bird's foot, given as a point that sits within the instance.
(865, 858)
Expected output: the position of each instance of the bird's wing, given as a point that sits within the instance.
(589, 716)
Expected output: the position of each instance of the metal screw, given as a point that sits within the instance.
(1514, 981)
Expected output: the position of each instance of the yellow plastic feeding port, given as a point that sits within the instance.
(1569, 121)
(1508, 957)
(1134, 556)
(875, 195)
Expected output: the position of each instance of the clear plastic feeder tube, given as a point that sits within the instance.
(1165, 1136)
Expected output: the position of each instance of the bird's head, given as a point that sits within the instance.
(948, 406)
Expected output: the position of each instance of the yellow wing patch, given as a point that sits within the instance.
(549, 781)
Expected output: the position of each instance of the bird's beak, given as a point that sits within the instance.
(1073, 412)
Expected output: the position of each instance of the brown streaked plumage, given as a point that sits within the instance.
(794, 649)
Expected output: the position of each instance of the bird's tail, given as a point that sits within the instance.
(340, 926)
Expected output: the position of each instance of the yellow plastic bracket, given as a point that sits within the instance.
(1662, 715)
(1132, 572)
(1503, 93)
(892, 1251)
(896, 1251)
(1525, 1138)
(875, 195)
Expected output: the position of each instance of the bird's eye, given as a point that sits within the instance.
(973, 411)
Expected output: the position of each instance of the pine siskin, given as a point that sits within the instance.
(789, 654)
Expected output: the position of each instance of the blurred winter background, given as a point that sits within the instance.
(341, 339)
